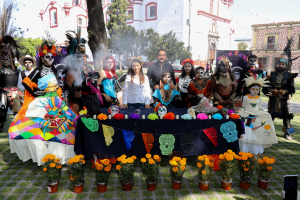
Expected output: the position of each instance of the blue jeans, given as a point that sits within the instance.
(136, 105)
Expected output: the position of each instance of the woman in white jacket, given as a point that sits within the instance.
(136, 92)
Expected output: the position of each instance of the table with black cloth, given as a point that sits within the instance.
(88, 143)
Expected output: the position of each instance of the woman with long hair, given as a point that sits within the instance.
(136, 92)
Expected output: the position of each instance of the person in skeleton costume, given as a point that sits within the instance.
(224, 85)
(188, 73)
(252, 69)
(44, 116)
(281, 88)
(261, 133)
(165, 94)
(9, 75)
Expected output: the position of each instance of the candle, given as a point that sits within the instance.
(143, 116)
(109, 116)
(94, 116)
(126, 116)
(209, 116)
(194, 117)
(227, 116)
(177, 116)
(161, 117)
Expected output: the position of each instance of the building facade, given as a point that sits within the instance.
(269, 40)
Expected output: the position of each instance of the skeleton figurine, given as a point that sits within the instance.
(237, 72)
(113, 110)
(162, 110)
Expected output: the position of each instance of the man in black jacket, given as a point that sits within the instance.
(157, 69)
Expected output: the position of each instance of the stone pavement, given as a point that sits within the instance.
(26, 181)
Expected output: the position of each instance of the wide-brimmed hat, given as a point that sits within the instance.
(27, 57)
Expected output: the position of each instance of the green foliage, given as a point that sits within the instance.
(150, 168)
(246, 168)
(177, 168)
(76, 170)
(125, 169)
(205, 166)
(242, 46)
(264, 167)
(29, 45)
(52, 168)
(117, 12)
(227, 169)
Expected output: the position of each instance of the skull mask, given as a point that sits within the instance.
(162, 110)
(113, 110)
(237, 72)
(199, 72)
(252, 61)
(237, 75)
(5, 59)
(191, 112)
(184, 83)
(48, 59)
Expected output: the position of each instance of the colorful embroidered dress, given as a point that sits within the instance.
(195, 88)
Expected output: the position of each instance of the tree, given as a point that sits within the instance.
(117, 12)
(29, 45)
(96, 32)
(242, 46)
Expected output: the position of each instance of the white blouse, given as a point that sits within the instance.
(134, 92)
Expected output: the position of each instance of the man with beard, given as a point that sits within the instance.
(157, 69)
(28, 62)
(223, 84)
(281, 87)
(8, 77)
(252, 69)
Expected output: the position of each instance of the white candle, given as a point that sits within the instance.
(209, 116)
(109, 116)
(95, 117)
(177, 116)
(227, 116)
(81, 114)
(126, 116)
(161, 117)
(194, 117)
(143, 117)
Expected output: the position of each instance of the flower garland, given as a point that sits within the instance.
(43, 51)
(187, 61)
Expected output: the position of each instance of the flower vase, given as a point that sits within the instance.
(244, 184)
(52, 187)
(78, 188)
(151, 186)
(226, 185)
(102, 187)
(176, 185)
(203, 185)
(262, 184)
(127, 186)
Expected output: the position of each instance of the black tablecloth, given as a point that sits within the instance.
(87, 142)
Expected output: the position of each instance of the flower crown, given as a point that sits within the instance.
(187, 61)
(157, 105)
(44, 50)
(254, 79)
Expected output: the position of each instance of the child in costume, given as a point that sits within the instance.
(263, 135)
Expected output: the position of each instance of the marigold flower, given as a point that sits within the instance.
(99, 167)
(107, 169)
(244, 157)
(130, 160)
(118, 167)
(148, 155)
(58, 166)
(133, 157)
(272, 161)
(221, 156)
(70, 162)
(182, 168)
(226, 154)
(203, 172)
(182, 162)
(260, 161)
(207, 163)
(72, 178)
(120, 158)
(252, 167)
(83, 161)
(200, 158)
(231, 153)
(124, 161)
(184, 159)
(156, 157)
(175, 158)
(229, 150)
(45, 51)
(76, 159)
(143, 160)
(247, 163)
(52, 165)
(158, 160)
(45, 169)
(199, 165)
(81, 156)
(240, 153)
(175, 169)
(250, 155)
(211, 164)
(57, 160)
(269, 168)
(174, 163)
(151, 161)
(229, 158)
(206, 159)
(246, 169)
(265, 158)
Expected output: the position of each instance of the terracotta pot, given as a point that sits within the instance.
(244, 185)
(102, 187)
(127, 186)
(151, 186)
(78, 188)
(226, 185)
(52, 187)
(176, 185)
(203, 185)
(263, 184)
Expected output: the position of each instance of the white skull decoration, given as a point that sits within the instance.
(191, 111)
(162, 110)
(199, 72)
(113, 110)
(49, 58)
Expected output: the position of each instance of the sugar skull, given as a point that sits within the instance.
(166, 142)
(184, 83)
(199, 72)
(187, 142)
(48, 59)
(223, 111)
(162, 110)
(113, 110)
(191, 111)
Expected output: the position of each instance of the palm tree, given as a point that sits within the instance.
(7, 26)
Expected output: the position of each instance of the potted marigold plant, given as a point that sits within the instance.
(205, 165)
(246, 169)
(227, 163)
(177, 169)
(103, 169)
(76, 172)
(52, 168)
(125, 170)
(264, 170)
(150, 169)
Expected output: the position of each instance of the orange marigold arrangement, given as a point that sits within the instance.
(245, 166)
(169, 116)
(177, 168)
(234, 116)
(227, 163)
(76, 170)
(125, 168)
(205, 165)
(264, 167)
(52, 168)
(150, 167)
(103, 169)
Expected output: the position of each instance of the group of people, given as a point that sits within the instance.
(92, 90)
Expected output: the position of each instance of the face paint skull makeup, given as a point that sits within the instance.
(254, 90)
(252, 61)
(199, 72)
(167, 79)
(237, 75)
(184, 83)
(48, 59)
(162, 110)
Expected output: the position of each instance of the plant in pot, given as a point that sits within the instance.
(177, 169)
(52, 168)
(264, 170)
(76, 172)
(227, 163)
(103, 169)
(125, 171)
(205, 165)
(150, 168)
(246, 169)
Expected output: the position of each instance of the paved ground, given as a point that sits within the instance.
(20, 180)
(294, 106)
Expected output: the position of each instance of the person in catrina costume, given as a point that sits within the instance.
(44, 116)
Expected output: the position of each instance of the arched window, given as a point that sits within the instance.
(80, 21)
(53, 17)
(151, 11)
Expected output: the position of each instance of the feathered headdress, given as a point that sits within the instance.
(286, 56)
(47, 47)
(254, 79)
(226, 61)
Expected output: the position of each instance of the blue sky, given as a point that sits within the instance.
(274, 10)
